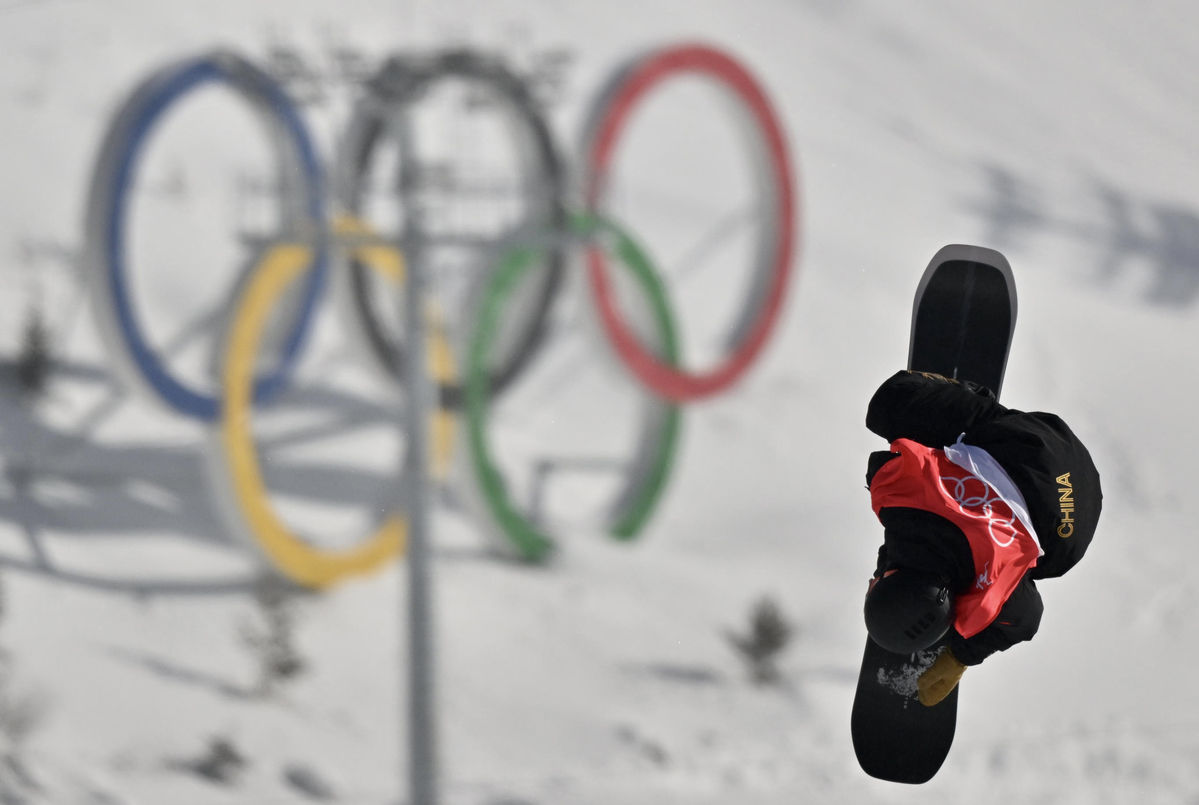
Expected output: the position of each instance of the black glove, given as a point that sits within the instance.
(939, 679)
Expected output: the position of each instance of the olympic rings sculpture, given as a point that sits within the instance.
(310, 240)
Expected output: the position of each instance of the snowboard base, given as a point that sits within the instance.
(963, 316)
(962, 323)
(895, 737)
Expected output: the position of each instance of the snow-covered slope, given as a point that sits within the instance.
(1057, 132)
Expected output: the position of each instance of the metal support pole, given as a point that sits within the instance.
(422, 733)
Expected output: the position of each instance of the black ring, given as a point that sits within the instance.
(401, 81)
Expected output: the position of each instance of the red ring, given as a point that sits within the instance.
(675, 384)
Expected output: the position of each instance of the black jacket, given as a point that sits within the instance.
(1043, 457)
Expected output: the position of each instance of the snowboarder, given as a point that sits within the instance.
(978, 502)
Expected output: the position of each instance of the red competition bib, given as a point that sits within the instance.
(1002, 547)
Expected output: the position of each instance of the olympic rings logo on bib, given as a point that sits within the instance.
(976, 498)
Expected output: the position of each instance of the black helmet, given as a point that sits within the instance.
(908, 610)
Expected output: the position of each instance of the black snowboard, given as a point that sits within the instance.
(962, 322)
(963, 316)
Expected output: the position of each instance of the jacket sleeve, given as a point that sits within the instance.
(1017, 621)
(927, 408)
(1057, 476)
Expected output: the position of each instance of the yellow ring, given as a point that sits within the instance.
(291, 555)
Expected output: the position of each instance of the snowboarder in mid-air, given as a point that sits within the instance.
(978, 502)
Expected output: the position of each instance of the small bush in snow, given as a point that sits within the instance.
(33, 363)
(221, 762)
(769, 633)
(272, 638)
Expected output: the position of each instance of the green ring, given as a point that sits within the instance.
(646, 486)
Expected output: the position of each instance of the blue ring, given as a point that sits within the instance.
(169, 87)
